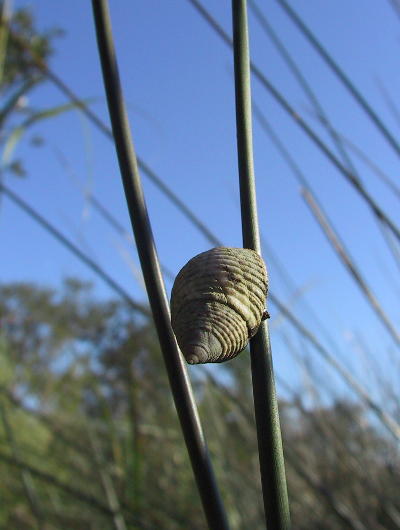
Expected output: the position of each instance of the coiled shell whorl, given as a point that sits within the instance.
(217, 303)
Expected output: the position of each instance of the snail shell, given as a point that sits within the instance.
(217, 303)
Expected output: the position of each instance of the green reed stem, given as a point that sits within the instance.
(270, 450)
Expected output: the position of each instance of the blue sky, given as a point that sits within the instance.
(177, 79)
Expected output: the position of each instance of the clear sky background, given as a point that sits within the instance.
(178, 83)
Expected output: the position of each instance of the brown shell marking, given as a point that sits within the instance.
(217, 303)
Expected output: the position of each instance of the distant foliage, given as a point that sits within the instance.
(18, 65)
(84, 390)
(22, 48)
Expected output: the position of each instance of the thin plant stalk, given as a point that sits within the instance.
(344, 256)
(108, 486)
(341, 75)
(74, 249)
(372, 165)
(391, 243)
(270, 449)
(389, 101)
(176, 369)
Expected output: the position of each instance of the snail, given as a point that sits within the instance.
(217, 303)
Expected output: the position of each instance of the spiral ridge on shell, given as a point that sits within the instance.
(217, 303)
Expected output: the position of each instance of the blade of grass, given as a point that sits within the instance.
(391, 243)
(179, 381)
(320, 113)
(270, 449)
